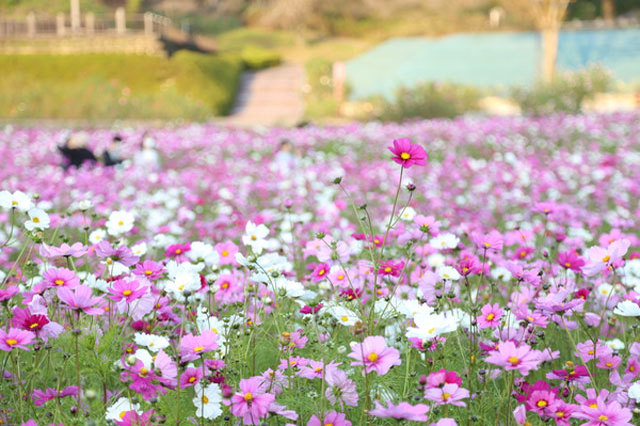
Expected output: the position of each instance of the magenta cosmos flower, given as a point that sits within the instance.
(127, 290)
(570, 260)
(490, 316)
(251, 402)
(15, 338)
(521, 358)
(402, 411)
(407, 154)
(450, 393)
(149, 269)
(192, 347)
(57, 277)
(374, 354)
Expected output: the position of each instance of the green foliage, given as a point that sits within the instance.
(189, 85)
(565, 93)
(236, 40)
(427, 100)
(256, 57)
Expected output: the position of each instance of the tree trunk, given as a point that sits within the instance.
(608, 10)
(549, 53)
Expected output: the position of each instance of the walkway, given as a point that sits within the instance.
(270, 97)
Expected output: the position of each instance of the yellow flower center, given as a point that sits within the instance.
(248, 397)
(122, 414)
(387, 269)
(144, 371)
(198, 348)
(121, 223)
(225, 285)
(253, 238)
(344, 318)
(36, 219)
(373, 357)
(318, 369)
(322, 271)
(431, 330)
(594, 405)
(490, 317)
(405, 155)
(14, 203)
(205, 399)
(567, 264)
(560, 414)
(340, 277)
(59, 282)
(487, 245)
(608, 364)
(606, 258)
(513, 360)
(34, 325)
(542, 403)
(148, 272)
(126, 292)
(446, 396)
(192, 379)
(178, 251)
(603, 418)
(225, 253)
(11, 342)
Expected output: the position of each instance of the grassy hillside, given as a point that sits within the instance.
(92, 86)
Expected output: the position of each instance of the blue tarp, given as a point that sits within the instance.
(488, 59)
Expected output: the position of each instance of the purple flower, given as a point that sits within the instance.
(402, 411)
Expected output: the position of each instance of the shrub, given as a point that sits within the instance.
(427, 100)
(565, 93)
(256, 58)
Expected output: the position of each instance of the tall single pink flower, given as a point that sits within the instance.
(490, 316)
(57, 277)
(407, 154)
(374, 354)
(192, 347)
(81, 299)
(227, 252)
(15, 339)
(602, 258)
(450, 393)
(521, 358)
(251, 402)
(127, 290)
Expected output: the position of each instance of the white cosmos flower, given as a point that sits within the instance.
(255, 237)
(627, 308)
(120, 222)
(118, 410)
(444, 241)
(208, 403)
(448, 273)
(38, 219)
(408, 214)
(634, 392)
(96, 236)
(85, 205)
(344, 316)
(139, 249)
(206, 252)
(151, 341)
(289, 288)
(183, 277)
(615, 344)
(18, 200)
(429, 326)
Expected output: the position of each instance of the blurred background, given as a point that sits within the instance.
(292, 62)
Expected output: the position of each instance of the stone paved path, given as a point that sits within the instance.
(270, 97)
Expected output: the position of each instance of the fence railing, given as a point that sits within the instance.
(87, 25)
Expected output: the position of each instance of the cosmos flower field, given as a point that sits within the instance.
(477, 271)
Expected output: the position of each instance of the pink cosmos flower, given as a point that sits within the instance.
(227, 252)
(442, 377)
(65, 250)
(8, 293)
(602, 258)
(177, 250)
(570, 260)
(402, 411)
(81, 299)
(40, 396)
(14, 339)
(388, 267)
(190, 377)
(407, 154)
(57, 277)
(333, 418)
(521, 358)
(126, 290)
(229, 289)
(251, 402)
(427, 224)
(491, 242)
(604, 414)
(374, 354)
(450, 393)
(149, 269)
(490, 316)
(320, 272)
(132, 418)
(316, 369)
(341, 390)
(192, 347)
(122, 254)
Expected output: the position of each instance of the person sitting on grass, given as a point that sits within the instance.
(113, 155)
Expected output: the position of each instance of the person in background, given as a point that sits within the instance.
(147, 158)
(113, 155)
(75, 152)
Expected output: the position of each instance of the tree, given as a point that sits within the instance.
(608, 10)
(548, 16)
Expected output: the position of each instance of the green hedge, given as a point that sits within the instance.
(257, 58)
(103, 86)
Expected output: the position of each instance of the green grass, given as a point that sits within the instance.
(96, 86)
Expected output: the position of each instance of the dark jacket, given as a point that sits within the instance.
(76, 157)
